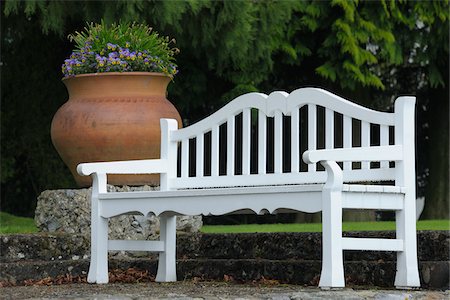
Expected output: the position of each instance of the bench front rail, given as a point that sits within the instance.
(247, 157)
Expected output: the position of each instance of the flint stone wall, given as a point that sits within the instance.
(287, 257)
(68, 211)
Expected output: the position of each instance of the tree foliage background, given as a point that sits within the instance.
(368, 51)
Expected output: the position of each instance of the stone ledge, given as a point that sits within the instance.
(42, 246)
(434, 274)
(214, 290)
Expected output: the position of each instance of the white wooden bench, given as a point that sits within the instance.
(247, 157)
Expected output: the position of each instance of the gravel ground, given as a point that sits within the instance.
(206, 290)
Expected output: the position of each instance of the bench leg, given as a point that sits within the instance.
(98, 269)
(332, 274)
(407, 275)
(167, 260)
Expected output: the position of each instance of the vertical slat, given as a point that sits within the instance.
(215, 151)
(312, 132)
(262, 141)
(278, 142)
(199, 155)
(347, 138)
(384, 141)
(365, 140)
(185, 158)
(295, 140)
(230, 145)
(329, 128)
(246, 139)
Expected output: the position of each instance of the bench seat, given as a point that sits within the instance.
(261, 199)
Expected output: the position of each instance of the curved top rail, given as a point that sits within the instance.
(338, 104)
(286, 103)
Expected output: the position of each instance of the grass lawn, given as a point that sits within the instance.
(317, 227)
(13, 224)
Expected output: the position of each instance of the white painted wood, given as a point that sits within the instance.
(245, 190)
(215, 151)
(278, 143)
(129, 245)
(374, 153)
(185, 158)
(167, 259)
(169, 152)
(284, 178)
(372, 244)
(363, 188)
(312, 132)
(347, 138)
(295, 140)
(356, 188)
(365, 141)
(296, 198)
(384, 141)
(332, 274)
(246, 140)
(145, 166)
(230, 145)
(372, 200)
(329, 128)
(98, 268)
(277, 102)
(393, 189)
(285, 102)
(340, 105)
(310, 191)
(372, 188)
(407, 265)
(262, 142)
(199, 155)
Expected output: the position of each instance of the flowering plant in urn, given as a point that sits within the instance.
(117, 79)
(120, 47)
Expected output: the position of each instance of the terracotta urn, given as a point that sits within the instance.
(110, 117)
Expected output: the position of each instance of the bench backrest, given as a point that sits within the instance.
(259, 139)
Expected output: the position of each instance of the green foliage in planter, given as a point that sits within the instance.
(121, 47)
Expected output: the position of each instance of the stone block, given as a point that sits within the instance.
(68, 211)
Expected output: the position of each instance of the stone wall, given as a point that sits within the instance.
(286, 257)
(68, 211)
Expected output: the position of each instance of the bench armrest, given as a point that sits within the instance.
(145, 166)
(374, 153)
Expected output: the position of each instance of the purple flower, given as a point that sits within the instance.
(113, 55)
(124, 52)
(111, 46)
(100, 58)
